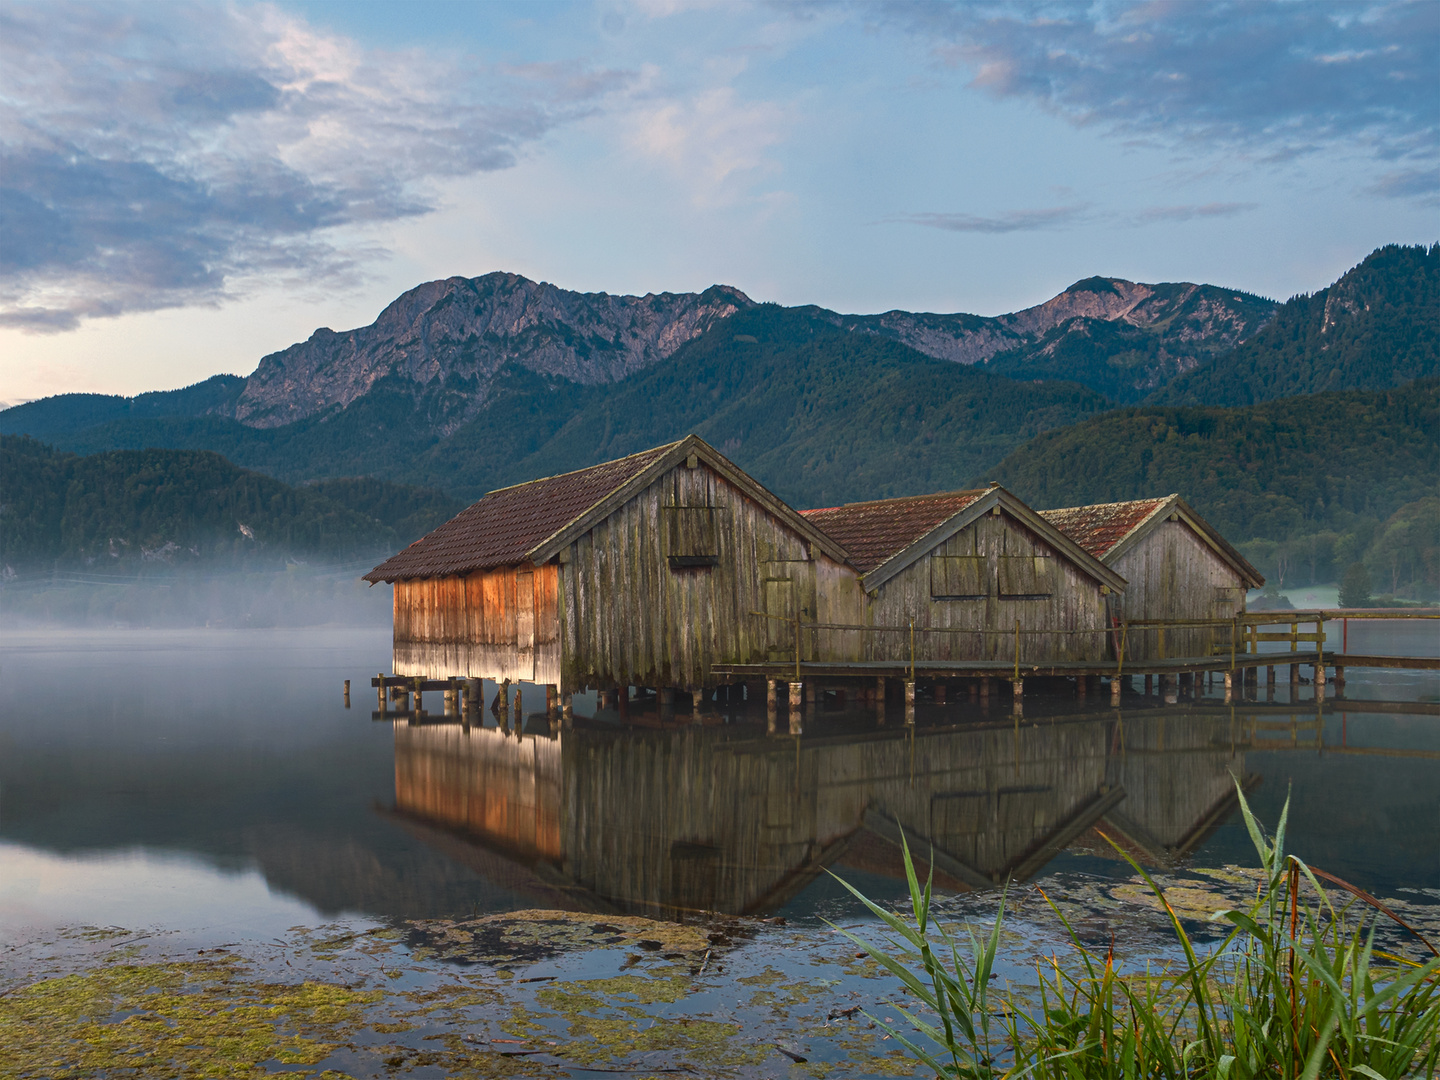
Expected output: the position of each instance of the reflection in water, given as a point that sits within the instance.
(721, 818)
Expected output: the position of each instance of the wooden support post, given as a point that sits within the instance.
(1115, 692)
(974, 689)
(1339, 676)
(1017, 694)
(880, 700)
(380, 693)
(697, 703)
(909, 701)
(1229, 687)
(552, 702)
(1168, 692)
(505, 703)
(1149, 685)
(1294, 674)
(985, 690)
(419, 696)
(797, 696)
(1080, 687)
(622, 702)
(770, 691)
(347, 693)
(476, 696)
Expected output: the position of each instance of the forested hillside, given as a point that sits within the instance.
(1306, 485)
(821, 413)
(817, 414)
(1378, 326)
(164, 508)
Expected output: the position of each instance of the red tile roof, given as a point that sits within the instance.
(873, 532)
(505, 525)
(1099, 528)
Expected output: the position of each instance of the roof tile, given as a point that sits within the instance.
(503, 526)
(874, 532)
(1099, 528)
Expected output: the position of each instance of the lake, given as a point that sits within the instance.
(210, 789)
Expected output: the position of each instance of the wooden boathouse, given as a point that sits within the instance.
(978, 575)
(1178, 567)
(642, 571)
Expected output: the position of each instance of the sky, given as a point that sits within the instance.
(188, 187)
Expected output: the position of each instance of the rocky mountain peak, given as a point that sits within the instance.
(463, 330)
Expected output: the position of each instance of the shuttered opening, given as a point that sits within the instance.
(1025, 577)
(690, 536)
(958, 577)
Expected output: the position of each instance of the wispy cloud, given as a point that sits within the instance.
(1423, 184)
(1047, 218)
(712, 140)
(1190, 213)
(154, 156)
(1273, 79)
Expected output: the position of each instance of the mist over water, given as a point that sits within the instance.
(293, 595)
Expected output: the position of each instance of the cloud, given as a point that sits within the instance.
(1189, 213)
(155, 156)
(1423, 184)
(1048, 218)
(1265, 78)
(709, 140)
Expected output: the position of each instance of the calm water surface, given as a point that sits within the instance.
(213, 783)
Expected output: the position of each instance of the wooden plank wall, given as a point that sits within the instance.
(630, 618)
(1007, 548)
(492, 624)
(1174, 574)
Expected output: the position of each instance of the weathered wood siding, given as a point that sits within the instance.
(492, 624)
(641, 607)
(1174, 574)
(984, 578)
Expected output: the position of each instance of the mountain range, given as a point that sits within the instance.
(464, 385)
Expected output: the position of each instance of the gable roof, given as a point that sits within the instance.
(874, 531)
(1100, 527)
(531, 522)
(1109, 530)
(886, 536)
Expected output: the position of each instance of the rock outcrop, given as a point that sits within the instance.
(449, 338)
(464, 330)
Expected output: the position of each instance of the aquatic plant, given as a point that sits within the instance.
(1296, 990)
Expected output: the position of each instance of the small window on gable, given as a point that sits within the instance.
(690, 537)
(958, 577)
(1026, 577)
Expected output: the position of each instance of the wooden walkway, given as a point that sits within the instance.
(1001, 669)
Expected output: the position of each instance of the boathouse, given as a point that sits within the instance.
(1179, 568)
(974, 572)
(644, 571)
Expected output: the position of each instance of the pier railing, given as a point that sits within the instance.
(1244, 639)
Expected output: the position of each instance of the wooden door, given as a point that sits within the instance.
(780, 603)
(525, 625)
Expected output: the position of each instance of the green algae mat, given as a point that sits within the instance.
(535, 993)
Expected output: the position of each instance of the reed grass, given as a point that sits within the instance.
(1295, 991)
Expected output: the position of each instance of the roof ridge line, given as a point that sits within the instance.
(573, 472)
(898, 498)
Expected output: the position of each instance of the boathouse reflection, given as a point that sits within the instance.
(720, 819)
